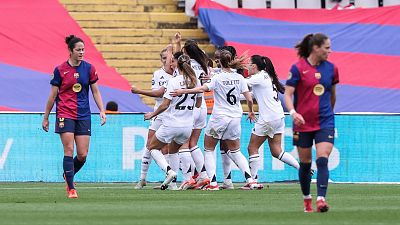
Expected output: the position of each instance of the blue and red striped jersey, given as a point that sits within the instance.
(312, 96)
(73, 95)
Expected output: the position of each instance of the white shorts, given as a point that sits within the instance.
(155, 123)
(200, 118)
(224, 128)
(262, 128)
(178, 134)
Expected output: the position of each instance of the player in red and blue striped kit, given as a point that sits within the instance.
(70, 90)
(310, 97)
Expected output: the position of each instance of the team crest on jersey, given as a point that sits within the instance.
(318, 75)
(60, 122)
(318, 90)
(76, 75)
(289, 76)
(77, 87)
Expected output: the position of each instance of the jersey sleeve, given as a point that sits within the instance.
(170, 88)
(93, 75)
(294, 77)
(211, 84)
(243, 85)
(56, 81)
(335, 75)
(154, 81)
(253, 80)
(198, 84)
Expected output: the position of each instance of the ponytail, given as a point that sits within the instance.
(188, 73)
(227, 61)
(270, 69)
(265, 63)
(304, 48)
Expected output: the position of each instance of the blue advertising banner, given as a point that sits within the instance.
(367, 149)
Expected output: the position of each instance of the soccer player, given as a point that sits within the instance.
(312, 84)
(158, 86)
(70, 91)
(178, 121)
(198, 62)
(271, 121)
(225, 121)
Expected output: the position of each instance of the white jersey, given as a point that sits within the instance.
(199, 73)
(227, 88)
(160, 79)
(266, 94)
(180, 110)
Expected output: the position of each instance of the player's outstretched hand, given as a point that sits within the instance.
(134, 89)
(176, 92)
(148, 116)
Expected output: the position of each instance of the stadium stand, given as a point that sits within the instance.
(364, 82)
(130, 34)
(32, 45)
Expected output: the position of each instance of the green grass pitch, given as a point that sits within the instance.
(105, 203)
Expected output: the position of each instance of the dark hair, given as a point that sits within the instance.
(112, 106)
(71, 40)
(230, 49)
(188, 73)
(304, 48)
(227, 61)
(177, 54)
(265, 63)
(194, 52)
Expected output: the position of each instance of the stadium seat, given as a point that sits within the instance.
(282, 4)
(391, 2)
(366, 3)
(308, 4)
(254, 4)
(329, 4)
(189, 7)
(228, 3)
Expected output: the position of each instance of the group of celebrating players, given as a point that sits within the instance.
(180, 114)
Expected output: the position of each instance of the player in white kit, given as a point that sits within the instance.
(225, 121)
(271, 120)
(198, 62)
(158, 86)
(178, 118)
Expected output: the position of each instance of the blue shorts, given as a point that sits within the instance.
(78, 127)
(305, 139)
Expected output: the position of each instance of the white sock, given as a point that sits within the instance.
(241, 162)
(166, 156)
(210, 165)
(192, 165)
(320, 197)
(307, 196)
(226, 166)
(160, 159)
(174, 161)
(185, 158)
(146, 160)
(254, 161)
(289, 159)
(198, 157)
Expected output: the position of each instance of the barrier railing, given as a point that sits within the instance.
(367, 149)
